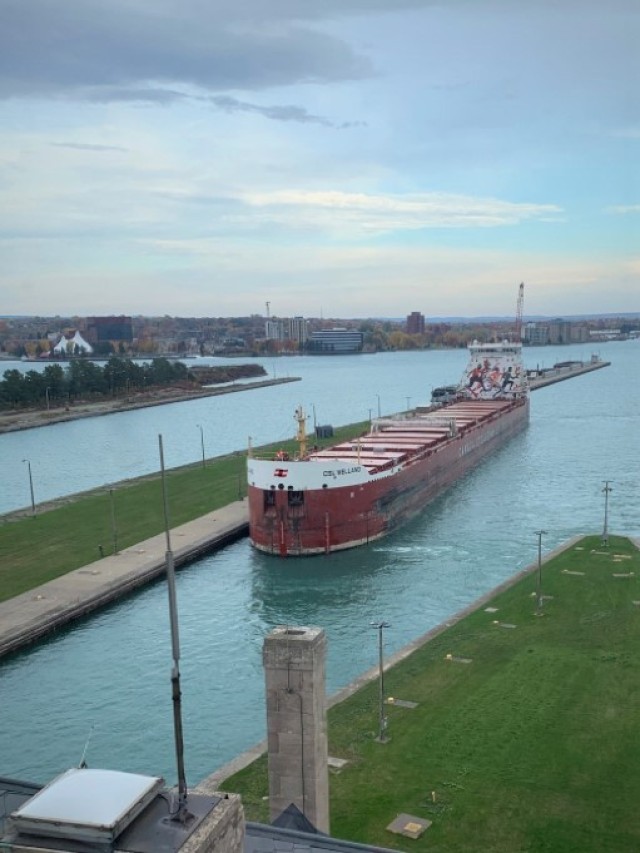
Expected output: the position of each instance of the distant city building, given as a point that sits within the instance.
(299, 330)
(100, 329)
(536, 334)
(607, 334)
(415, 323)
(287, 329)
(555, 332)
(559, 331)
(336, 341)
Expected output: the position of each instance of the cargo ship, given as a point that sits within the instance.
(324, 500)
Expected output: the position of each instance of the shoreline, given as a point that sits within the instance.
(35, 418)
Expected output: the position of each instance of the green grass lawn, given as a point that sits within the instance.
(37, 549)
(533, 746)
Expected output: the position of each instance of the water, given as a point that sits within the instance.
(111, 672)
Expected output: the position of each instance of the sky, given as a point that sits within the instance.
(335, 158)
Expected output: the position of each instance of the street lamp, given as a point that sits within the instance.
(382, 736)
(378, 397)
(33, 503)
(408, 403)
(201, 442)
(605, 529)
(46, 394)
(539, 534)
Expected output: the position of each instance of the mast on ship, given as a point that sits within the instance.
(301, 435)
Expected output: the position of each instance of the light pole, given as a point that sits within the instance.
(33, 503)
(539, 534)
(378, 397)
(114, 529)
(382, 735)
(201, 442)
(408, 403)
(605, 529)
(46, 394)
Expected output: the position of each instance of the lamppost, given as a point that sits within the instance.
(408, 403)
(201, 442)
(539, 534)
(46, 394)
(382, 736)
(33, 503)
(114, 529)
(378, 397)
(605, 529)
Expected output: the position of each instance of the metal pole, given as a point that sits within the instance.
(202, 443)
(182, 813)
(378, 396)
(539, 534)
(114, 529)
(408, 403)
(605, 530)
(46, 394)
(33, 503)
(382, 736)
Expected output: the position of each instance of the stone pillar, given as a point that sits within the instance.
(294, 668)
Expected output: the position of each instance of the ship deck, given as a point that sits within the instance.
(396, 440)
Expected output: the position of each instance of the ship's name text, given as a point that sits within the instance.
(341, 472)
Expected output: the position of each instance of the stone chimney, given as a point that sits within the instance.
(294, 668)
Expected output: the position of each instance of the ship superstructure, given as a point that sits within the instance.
(358, 491)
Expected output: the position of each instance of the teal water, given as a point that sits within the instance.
(110, 673)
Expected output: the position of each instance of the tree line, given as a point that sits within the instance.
(84, 379)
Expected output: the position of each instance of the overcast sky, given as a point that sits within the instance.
(345, 158)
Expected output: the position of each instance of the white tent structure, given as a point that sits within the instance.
(67, 345)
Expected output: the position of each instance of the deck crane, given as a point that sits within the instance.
(518, 334)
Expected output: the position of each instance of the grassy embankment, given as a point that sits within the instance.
(37, 549)
(532, 746)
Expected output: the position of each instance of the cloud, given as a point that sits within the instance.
(278, 113)
(87, 146)
(338, 211)
(82, 48)
(622, 209)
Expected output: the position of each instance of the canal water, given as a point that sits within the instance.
(107, 678)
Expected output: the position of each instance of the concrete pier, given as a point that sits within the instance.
(30, 616)
(551, 375)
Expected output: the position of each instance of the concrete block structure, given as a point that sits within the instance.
(294, 662)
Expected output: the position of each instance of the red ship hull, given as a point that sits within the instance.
(293, 520)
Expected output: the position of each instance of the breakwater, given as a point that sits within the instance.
(562, 371)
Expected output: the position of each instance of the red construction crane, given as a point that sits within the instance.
(518, 335)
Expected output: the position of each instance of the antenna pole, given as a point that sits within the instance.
(182, 814)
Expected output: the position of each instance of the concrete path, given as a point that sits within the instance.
(40, 611)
